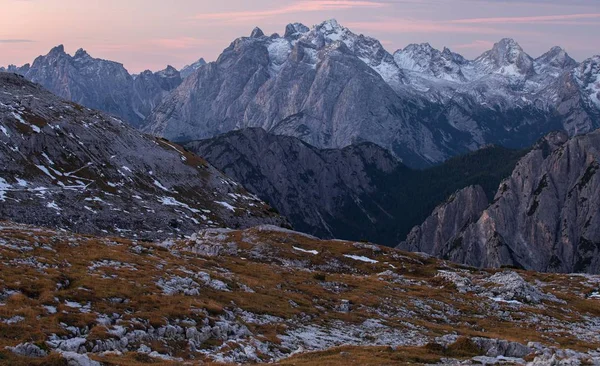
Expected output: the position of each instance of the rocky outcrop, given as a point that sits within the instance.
(446, 221)
(545, 216)
(65, 166)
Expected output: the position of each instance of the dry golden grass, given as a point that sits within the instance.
(276, 283)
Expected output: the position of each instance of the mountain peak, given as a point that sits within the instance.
(508, 58)
(295, 29)
(422, 46)
(58, 49)
(187, 70)
(81, 53)
(508, 43)
(423, 58)
(169, 71)
(257, 33)
(330, 24)
(558, 58)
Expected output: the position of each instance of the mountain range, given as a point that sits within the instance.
(101, 84)
(328, 127)
(333, 88)
(227, 212)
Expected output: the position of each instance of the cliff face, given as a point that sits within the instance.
(328, 193)
(460, 210)
(545, 216)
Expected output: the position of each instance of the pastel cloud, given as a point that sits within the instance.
(527, 19)
(15, 41)
(294, 8)
(180, 42)
(475, 45)
(153, 33)
(420, 26)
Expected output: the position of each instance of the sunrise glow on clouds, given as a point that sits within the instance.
(151, 34)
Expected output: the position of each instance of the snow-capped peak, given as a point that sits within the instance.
(557, 58)
(367, 49)
(257, 33)
(507, 58)
(295, 30)
(425, 59)
(587, 75)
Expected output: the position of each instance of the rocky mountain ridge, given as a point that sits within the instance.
(360, 192)
(70, 167)
(101, 84)
(422, 104)
(545, 216)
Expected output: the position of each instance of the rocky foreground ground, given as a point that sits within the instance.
(270, 295)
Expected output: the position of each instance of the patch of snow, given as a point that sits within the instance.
(4, 186)
(14, 320)
(54, 206)
(46, 171)
(499, 299)
(279, 51)
(361, 258)
(313, 252)
(170, 201)
(50, 309)
(35, 128)
(159, 185)
(226, 205)
(4, 130)
(48, 159)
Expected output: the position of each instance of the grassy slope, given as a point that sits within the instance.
(279, 274)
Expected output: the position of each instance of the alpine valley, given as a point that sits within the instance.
(305, 199)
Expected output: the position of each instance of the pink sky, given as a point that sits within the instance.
(149, 34)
